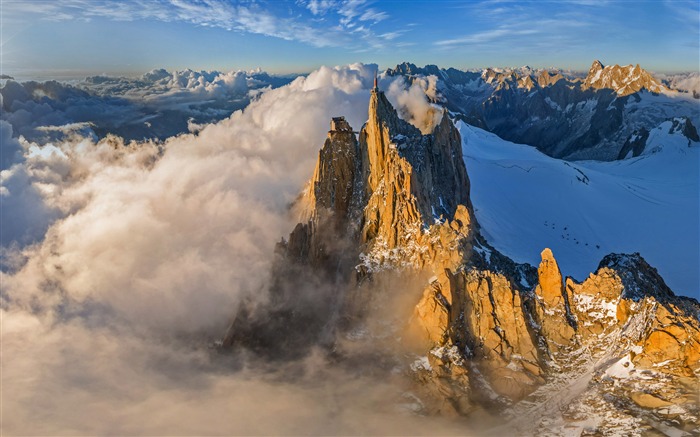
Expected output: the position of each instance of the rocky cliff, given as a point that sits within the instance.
(386, 224)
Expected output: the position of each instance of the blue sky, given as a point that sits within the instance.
(76, 37)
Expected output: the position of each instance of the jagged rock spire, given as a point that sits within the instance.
(396, 202)
(624, 80)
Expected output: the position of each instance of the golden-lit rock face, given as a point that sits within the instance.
(331, 187)
(673, 335)
(409, 178)
(395, 203)
(551, 286)
(627, 298)
(552, 311)
(624, 80)
(646, 400)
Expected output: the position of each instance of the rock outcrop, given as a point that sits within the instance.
(389, 215)
(547, 78)
(628, 296)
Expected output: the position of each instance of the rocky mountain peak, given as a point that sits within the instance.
(490, 333)
(548, 78)
(595, 67)
(624, 80)
(330, 190)
(639, 279)
(412, 179)
(405, 68)
(551, 283)
(684, 126)
(555, 111)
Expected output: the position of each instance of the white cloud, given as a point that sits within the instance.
(687, 14)
(72, 379)
(183, 223)
(527, 26)
(320, 7)
(11, 150)
(155, 105)
(486, 36)
(412, 101)
(688, 82)
(255, 18)
(391, 35)
(151, 247)
(373, 15)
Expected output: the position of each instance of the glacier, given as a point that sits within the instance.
(525, 200)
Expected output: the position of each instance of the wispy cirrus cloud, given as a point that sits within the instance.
(392, 35)
(487, 36)
(350, 11)
(525, 25)
(319, 7)
(687, 14)
(292, 22)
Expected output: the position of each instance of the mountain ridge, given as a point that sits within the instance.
(624, 80)
(377, 222)
(562, 115)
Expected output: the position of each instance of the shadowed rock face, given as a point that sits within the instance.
(334, 177)
(387, 219)
(595, 117)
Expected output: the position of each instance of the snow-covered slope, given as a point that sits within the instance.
(525, 201)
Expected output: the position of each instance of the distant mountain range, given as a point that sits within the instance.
(602, 115)
(156, 105)
(597, 117)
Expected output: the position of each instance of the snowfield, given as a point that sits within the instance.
(526, 201)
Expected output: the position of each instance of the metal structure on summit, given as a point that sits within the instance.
(376, 88)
